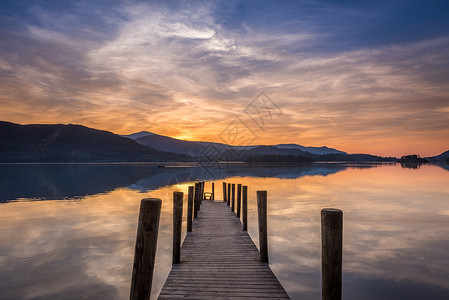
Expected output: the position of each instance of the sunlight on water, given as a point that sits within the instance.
(395, 234)
(395, 229)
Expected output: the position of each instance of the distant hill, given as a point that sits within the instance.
(224, 147)
(165, 143)
(315, 150)
(268, 152)
(442, 157)
(72, 143)
(260, 151)
(253, 152)
(77, 143)
(138, 134)
(279, 159)
(353, 158)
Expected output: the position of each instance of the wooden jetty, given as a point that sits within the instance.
(220, 261)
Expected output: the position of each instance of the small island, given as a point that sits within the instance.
(413, 161)
(414, 158)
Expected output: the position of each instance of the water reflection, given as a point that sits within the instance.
(411, 165)
(71, 181)
(395, 235)
(395, 230)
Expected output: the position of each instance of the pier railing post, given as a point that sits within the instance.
(177, 226)
(203, 184)
(233, 198)
(262, 216)
(331, 257)
(145, 249)
(212, 197)
(224, 191)
(196, 204)
(229, 195)
(245, 208)
(190, 209)
(200, 200)
(239, 199)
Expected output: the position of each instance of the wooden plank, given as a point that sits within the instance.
(220, 261)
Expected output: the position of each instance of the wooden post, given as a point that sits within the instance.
(245, 208)
(196, 201)
(224, 191)
(229, 195)
(212, 197)
(177, 226)
(190, 208)
(203, 184)
(239, 199)
(331, 255)
(262, 214)
(233, 198)
(200, 188)
(145, 250)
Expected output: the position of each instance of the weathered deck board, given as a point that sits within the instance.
(220, 261)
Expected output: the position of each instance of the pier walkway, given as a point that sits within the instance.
(220, 261)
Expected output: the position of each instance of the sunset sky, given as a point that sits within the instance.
(359, 76)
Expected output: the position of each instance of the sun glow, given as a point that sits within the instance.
(183, 137)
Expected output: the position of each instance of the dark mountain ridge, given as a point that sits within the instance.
(441, 157)
(72, 143)
(77, 143)
(165, 143)
(263, 153)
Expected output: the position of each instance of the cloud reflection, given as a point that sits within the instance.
(395, 237)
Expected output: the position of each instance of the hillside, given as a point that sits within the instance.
(165, 143)
(72, 143)
(442, 157)
(259, 151)
(314, 150)
(267, 152)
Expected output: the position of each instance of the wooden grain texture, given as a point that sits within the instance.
(245, 208)
(233, 198)
(190, 208)
(177, 226)
(331, 254)
(228, 198)
(220, 261)
(239, 199)
(224, 191)
(145, 250)
(263, 231)
(196, 200)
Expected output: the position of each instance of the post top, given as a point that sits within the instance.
(331, 210)
(149, 200)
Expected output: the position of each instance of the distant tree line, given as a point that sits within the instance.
(279, 159)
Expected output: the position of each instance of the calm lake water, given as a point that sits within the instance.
(68, 231)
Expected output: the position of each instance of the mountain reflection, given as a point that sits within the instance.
(71, 181)
(55, 182)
